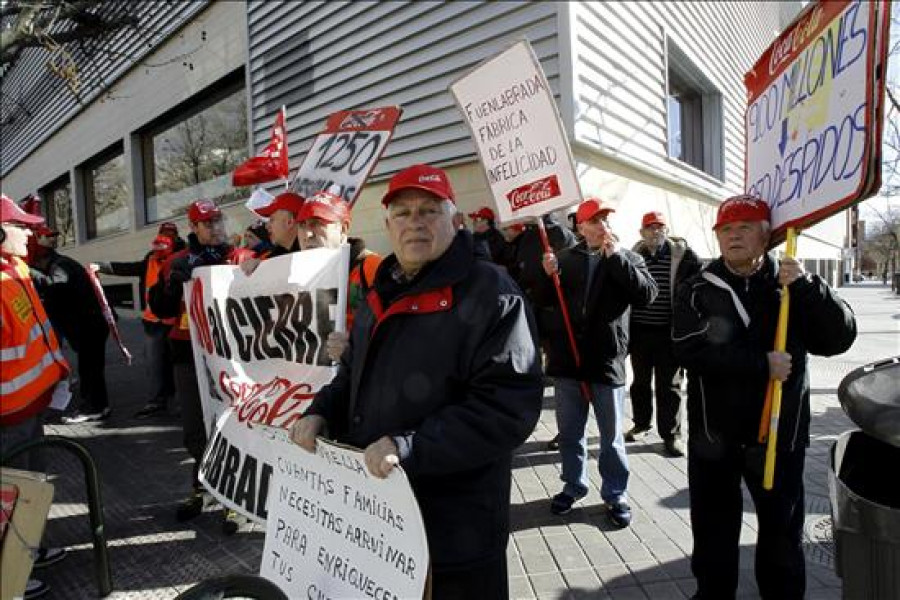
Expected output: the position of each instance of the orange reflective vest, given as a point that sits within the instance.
(154, 267)
(31, 363)
(362, 275)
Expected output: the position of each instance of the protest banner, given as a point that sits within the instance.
(345, 152)
(509, 108)
(335, 531)
(259, 348)
(812, 121)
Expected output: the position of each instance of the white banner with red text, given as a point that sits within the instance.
(259, 350)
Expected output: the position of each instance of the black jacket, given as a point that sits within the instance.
(727, 361)
(494, 245)
(450, 365)
(70, 301)
(137, 268)
(599, 316)
(685, 262)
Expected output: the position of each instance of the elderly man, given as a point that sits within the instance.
(442, 377)
(724, 328)
(670, 261)
(601, 283)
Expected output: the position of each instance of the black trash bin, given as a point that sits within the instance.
(864, 485)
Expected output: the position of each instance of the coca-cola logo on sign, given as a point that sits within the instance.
(534, 192)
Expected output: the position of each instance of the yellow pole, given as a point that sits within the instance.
(780, 344)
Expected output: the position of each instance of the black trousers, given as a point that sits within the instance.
(193, 426)
(92, 372)
(158, 357)
(486, 581)
(652, 360)
(715, 472)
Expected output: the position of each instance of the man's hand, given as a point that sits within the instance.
(550, 264)
(779, 365)
(304, 431)
(609, 244)
(335, 344)
(249, 265)
(789, 271)
(381, 457)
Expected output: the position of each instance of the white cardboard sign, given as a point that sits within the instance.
(335, 531)
(514, 120)
(345, 152)
(811, 116)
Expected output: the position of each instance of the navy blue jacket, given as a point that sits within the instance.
(451, 364)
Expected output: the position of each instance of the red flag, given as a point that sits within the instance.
(272, 164)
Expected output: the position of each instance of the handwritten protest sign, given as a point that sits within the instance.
(259, 348)
(345, 152)
(811, 117)
(334, 531)
(509, 107)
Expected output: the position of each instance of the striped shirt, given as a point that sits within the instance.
(659, 312)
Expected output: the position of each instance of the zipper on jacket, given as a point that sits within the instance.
(703, 402)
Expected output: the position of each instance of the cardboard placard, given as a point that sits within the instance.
(812, 119)
(335, 531)
(509, 108)
(345, 152)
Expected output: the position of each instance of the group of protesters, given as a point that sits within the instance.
(449, 338)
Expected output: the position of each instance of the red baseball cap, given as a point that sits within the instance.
(288, 201)
(11, 213)
(203, 210)
(161, 243)
(326, 206)
(422, 177)
(653, 218)
(43, 231)
(483, 213)
(591, 207)
(742, 208)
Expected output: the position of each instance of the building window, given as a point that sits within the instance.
(107, 206)
(57, 200)
(694, 107)
(193, 152)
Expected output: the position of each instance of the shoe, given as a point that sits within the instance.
(619, 513)
(561, 503)
(230, 525)
(637, 433)
(190, 507)
(674, 447)
(553, 445)
(88, 416)
(150, 409)
(35, 589)
(45, 557)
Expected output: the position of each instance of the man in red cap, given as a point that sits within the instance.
(485, 232)
(207, 246)
(670, 261)
(724, 331)
(31, 364)
(324, 222)
(160, 372)
(441, 376)
(600, 283)
(282, 214)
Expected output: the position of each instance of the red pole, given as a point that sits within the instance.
(573, 346)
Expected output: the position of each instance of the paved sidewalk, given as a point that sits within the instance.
(144, 472)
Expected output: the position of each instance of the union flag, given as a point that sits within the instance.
(271, 164)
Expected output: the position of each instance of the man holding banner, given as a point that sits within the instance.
(441, 376)
(206, 246)
(723, 330)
